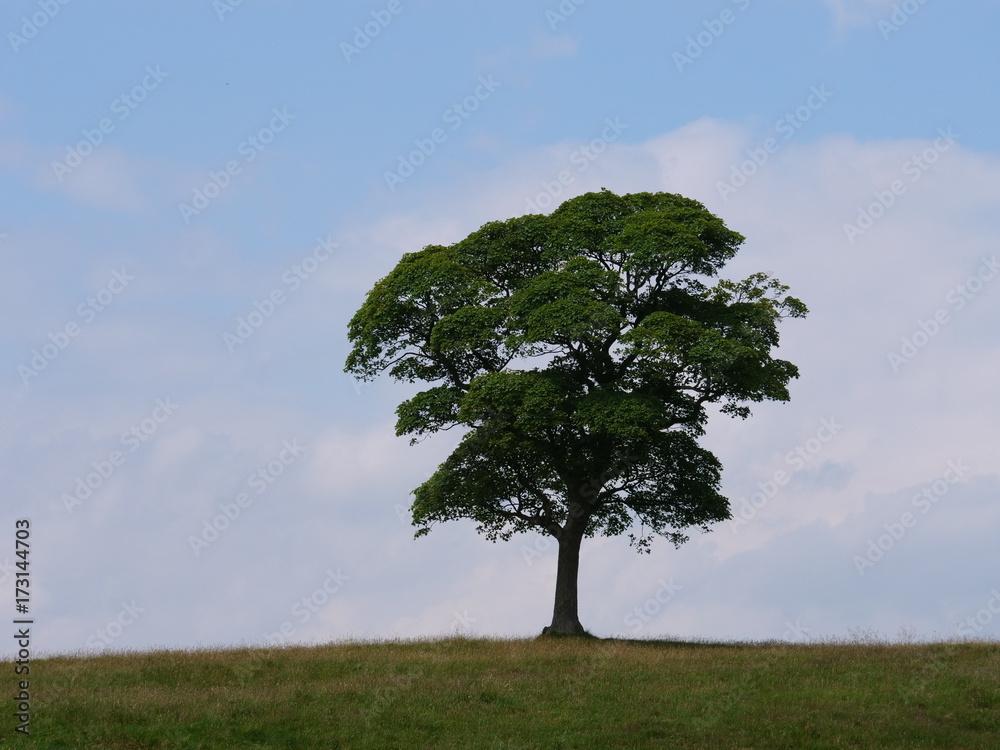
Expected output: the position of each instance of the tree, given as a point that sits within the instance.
(578, 351)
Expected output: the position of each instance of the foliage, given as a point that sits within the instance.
(578, 352)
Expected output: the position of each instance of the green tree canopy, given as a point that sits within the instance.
(578, 351)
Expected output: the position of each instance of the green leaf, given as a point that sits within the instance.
(578, 352)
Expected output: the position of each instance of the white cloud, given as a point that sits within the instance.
(338, 507)
(863, 297)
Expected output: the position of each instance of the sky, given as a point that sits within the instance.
(197, 195)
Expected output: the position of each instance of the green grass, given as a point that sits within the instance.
(544, 693)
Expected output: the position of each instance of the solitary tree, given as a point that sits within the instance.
(578, 351)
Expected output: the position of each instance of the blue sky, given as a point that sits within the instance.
(198, 195)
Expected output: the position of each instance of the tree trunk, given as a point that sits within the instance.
(565, 620)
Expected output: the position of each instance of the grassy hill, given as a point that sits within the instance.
(544, 693)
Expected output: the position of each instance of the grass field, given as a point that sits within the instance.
(544, 693)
